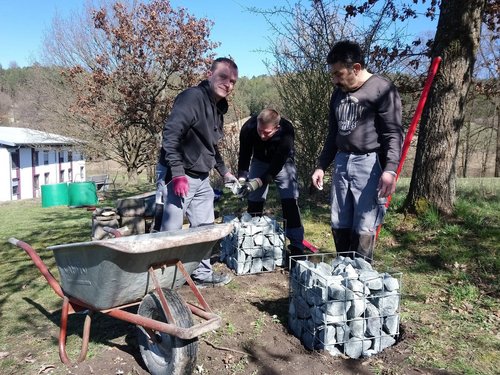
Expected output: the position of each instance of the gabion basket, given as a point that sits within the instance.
(344, 306)
(256, 244)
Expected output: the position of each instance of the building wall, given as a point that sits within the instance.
(53, 166)
(5, 178)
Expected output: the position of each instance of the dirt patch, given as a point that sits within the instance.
(253, 339)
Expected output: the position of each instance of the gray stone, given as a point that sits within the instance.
(302, 308)
(327, 335)
(324, 269)
(373, 321)
(316, 295)
(256, 265)
(246, 218)
(339, 292)
(258, 239)
(372, 279)
(295, 326)
(357, 327)
(387, 302)
(354, 347)
(336, 307)
(308, 339)
(382, 342)
(390, 283)
(391, 324)
(362, 264)
(343, 332)
(358, 306)
(268, 264)
(247, 242)
(333, 350)
(318, 317)
(355, 285)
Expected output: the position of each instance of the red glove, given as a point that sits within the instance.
(180, 186)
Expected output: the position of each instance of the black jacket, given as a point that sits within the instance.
(192, 131)
(275, 151)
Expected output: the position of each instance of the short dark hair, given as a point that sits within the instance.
(226, 60)
(346, 52)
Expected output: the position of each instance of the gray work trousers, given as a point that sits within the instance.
(288, 188)
(198, 207)
(354, 196)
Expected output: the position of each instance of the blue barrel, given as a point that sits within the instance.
(55, 195)
(82, 193)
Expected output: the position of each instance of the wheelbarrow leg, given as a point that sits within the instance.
(63, 334)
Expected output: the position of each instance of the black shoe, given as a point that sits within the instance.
(216, 279)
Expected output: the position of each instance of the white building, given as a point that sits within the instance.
(31, 158)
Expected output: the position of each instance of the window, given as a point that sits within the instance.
(45, 157)
(46, 179)
(35, 160)
(70, 175)
(61, 176)
(15, 159)
(61, 156)
(70, 156)
(36, 181)
(15, 186)
(82, 173)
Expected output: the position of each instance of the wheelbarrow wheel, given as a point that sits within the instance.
(167, 354)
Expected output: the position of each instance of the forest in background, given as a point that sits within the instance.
(108, 76)
(477, 139)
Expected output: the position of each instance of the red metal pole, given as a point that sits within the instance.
(414, 122)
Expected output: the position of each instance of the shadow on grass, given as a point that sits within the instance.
(104, 329)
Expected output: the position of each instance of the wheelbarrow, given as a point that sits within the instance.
(108, 276)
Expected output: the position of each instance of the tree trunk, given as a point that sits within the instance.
(456, 41)
(497, 158)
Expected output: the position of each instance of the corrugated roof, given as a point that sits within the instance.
(12, 136)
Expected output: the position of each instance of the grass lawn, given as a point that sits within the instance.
(450, 271)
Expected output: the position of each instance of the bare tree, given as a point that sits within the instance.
(488, 84)
(123, 65)
(303, 36)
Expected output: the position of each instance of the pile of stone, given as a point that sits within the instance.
(344, 306)
(255, 245)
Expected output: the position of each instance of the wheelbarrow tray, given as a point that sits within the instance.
(114, 272)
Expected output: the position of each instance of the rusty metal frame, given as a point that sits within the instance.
(72, 305)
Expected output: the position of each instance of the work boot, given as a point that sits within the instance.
(215, 279)
(363, 245)
(255, 208)
(342, 240)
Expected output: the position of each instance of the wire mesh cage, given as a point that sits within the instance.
(256, 244)
(341, 304)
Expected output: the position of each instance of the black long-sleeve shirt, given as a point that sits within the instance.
(276, 151)
(365, 120)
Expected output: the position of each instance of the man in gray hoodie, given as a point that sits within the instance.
(189, 151)
(364, 143)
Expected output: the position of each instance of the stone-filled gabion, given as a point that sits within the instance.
(343, 306)
(255, 245)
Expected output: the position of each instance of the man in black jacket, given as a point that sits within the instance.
(267, 154)
(189, 151)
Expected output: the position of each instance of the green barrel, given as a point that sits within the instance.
(55, 195)
(82, 193)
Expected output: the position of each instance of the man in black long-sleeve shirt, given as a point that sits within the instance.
(266, 155)
(364, 144)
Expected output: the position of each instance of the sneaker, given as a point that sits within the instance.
(217, 279)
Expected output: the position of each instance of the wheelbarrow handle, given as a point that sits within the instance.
(40, 265)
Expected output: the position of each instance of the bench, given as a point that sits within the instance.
(101, 181)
